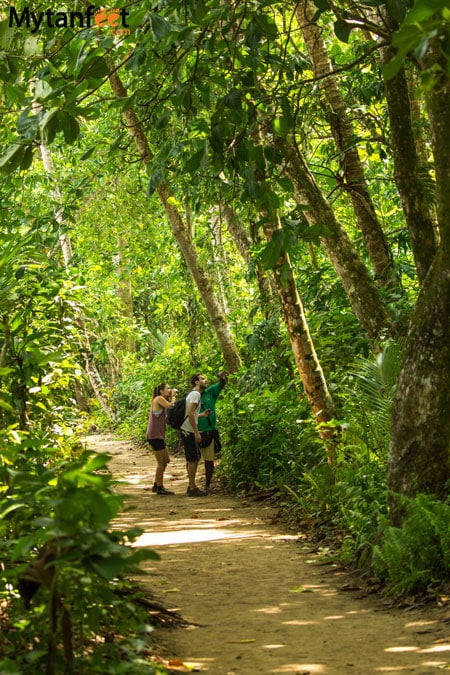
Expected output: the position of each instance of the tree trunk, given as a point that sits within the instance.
(243, 242)
(420, 439)
(124, 291)
(407, 176)
(306, 360)
(220, 261)
(182, 235)
(344, 137)
(359, 287)
(420, 435)
(66, 247)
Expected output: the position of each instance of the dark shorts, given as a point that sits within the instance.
(191, 449)
(157, 443)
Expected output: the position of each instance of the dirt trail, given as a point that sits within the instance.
(257, 600)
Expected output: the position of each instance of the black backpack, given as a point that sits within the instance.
(176, 414)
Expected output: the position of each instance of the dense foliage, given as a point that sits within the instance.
(258, 186)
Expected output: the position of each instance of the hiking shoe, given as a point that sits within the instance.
(162, 491)
(154, 488)
(195, 492)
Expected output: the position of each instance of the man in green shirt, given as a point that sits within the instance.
(208, 425)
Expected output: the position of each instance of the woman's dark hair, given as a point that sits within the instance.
(157, 390)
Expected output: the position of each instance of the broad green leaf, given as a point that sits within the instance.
(70, 127)
(195, 162)
(160, 26)
(233, 99)
(156, 178)
(6, 34)
(25, 164)
(42, 90)
(31, 46)
(49, 126)
(11, 159)
(267, 24)
(13, 94)
(397, 9)
(95, 69)
(342, 30)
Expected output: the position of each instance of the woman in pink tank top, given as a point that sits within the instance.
(163, 397)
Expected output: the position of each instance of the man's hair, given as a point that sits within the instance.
(194, 379)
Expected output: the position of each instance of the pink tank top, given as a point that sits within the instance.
(156, 427)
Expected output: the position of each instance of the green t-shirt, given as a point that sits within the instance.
(209, 398)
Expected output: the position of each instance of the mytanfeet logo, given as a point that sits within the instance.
(98, 17)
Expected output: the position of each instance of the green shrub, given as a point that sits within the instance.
(417, 555)
(267, 438)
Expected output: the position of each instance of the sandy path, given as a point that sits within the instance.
(257, 600)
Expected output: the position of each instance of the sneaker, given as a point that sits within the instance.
(162, 491)
(195, 492)
(154, 488)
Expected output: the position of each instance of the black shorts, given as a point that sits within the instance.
(191, 449)
(157, 443)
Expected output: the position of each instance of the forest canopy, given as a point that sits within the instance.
(261, 187)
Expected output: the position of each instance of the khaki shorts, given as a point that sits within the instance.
(208, 453)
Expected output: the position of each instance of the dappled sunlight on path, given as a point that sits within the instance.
(259, 601)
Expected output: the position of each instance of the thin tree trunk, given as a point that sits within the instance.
(66, 247)
(244, 242)
(359, 287)
(306, 360)
(124, 291)
(344, 137)
(182, 235)
(220, 262)
(420, 439)
(241, 237)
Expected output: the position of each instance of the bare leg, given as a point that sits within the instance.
(192, 471)
(162, 460)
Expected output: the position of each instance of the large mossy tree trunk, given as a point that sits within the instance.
(407, 171)
(420, 440)
(420, 434)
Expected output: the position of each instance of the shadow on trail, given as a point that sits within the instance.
(257, 600)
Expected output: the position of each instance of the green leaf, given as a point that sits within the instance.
(13, 94)
(96, 69)
(163, 121)
(87, 154)
(11, 159)
(272, 251)
(397, 9)
(233, 99)
(70, 127)
(31, 46)
(267, 25)
(196, 161)
(42, 89)
(6, 34)
(155, 181)
(25, 164)
(342, 30)
(391, 68)
(159, 26)
(49, 126)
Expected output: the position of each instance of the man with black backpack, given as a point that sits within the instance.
(190, 435)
